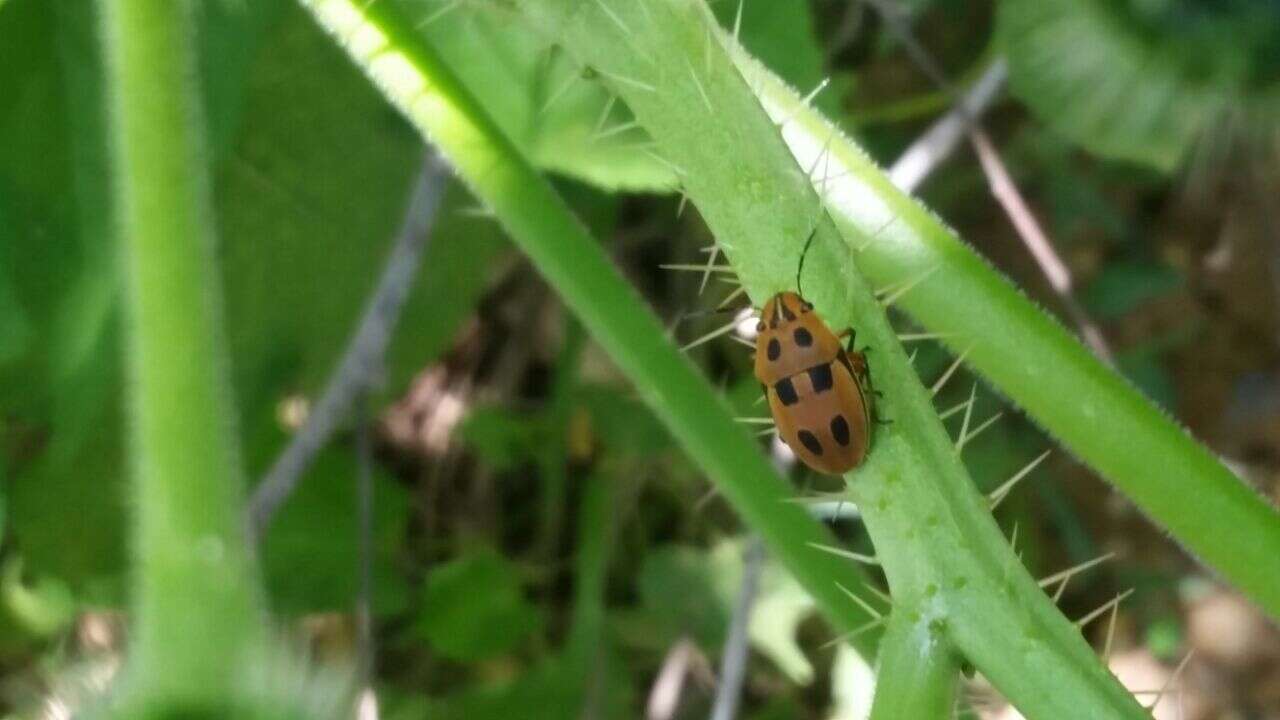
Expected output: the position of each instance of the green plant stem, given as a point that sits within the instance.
(916, 673)
(587, 642)
(383, 42)
(554, 425)
(1032, 359)
(947, 563)
(196, 609)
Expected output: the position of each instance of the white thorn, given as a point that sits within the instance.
(877, 234)
(613, 16)
(814, 92)
(998, 495)
(604, 117)
(627, 81)
(731, 297)
(1168, 683)
(670, 165)
(615, 130)
(1105, 607)
(863, 603)
(711, 263)
(916, 337)
(710, 336)
(884, 597)
(698, 84)
(1111, 633)
(846, 637)
(896, 295)
(968, 413)
(953, 410)
(437, 14)
(857, 557)
(1074, 570)
(978, 430)
(559, 93)
(686, 267)
(950, 371)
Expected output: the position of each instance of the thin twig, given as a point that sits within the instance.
(364, 549)
(1002, 186)
(1037, 241)
(362, 361)
(937, 143)
(733, 663)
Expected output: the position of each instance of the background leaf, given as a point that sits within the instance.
(473, 607)
(1140, 81)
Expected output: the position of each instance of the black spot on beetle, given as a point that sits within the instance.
(786, 312)
(840, 429)
(803, 337)
(786, 392)
(774, 350)
(810, 441)
(820, 378)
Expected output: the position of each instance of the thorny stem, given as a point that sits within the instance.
(1031, 359)
(944, 556)
(196, 607)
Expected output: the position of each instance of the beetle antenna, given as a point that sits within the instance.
(803, 253)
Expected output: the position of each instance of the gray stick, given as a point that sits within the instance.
(929, 151)
(362, 361)
(365, 650)
(733, 663)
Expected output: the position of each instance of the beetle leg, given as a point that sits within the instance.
(851, 334)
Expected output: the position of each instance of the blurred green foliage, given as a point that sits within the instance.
(1144, 81)
(311, 172)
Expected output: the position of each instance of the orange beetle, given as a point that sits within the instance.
(819, 392)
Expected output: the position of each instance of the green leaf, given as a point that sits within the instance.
(309, 555)
(562, 122)
(1141, 81)
(1123, 285)
(498, 436)
(307, 201)
(625, 424)
(781, 605)
(37, 608)
(689, 591)
(473, 608)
